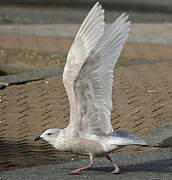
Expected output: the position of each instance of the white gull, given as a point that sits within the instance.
(88, 78)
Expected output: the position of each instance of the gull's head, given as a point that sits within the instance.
(49, 135)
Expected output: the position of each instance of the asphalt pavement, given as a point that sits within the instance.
(149, 165)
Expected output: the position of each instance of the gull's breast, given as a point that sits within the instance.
(85, 146)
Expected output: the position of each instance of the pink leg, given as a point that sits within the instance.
(77, 171)
(116, 168)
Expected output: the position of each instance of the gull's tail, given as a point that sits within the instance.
(124, 138)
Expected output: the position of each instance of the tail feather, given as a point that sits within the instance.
(125, 138)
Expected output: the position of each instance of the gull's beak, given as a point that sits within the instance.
(37, 138)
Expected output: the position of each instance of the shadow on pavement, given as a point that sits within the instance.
(163, 166)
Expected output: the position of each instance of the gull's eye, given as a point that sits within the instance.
(49, 134)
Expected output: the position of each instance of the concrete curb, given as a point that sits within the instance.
(156, 33)
(30, 76)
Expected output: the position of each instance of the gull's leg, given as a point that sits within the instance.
(77, 171)
(116, 168)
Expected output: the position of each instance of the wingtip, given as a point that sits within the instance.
(124, 16)
(96, 4)
(99, 5)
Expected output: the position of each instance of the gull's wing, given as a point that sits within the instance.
(88, 73)
(93, 85)
(86, 39)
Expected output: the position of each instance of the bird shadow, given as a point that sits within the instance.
(157, 166)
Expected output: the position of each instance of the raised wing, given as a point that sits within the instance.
(93, 84)
(86, 39)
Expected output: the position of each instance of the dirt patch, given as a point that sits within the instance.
(46, 56)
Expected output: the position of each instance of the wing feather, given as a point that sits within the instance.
(88, 73)
(86, 39)
(93, 85)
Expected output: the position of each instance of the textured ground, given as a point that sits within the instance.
(26, 48)
(142, 97)
(151, 165)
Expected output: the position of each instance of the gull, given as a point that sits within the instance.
(88, 78)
